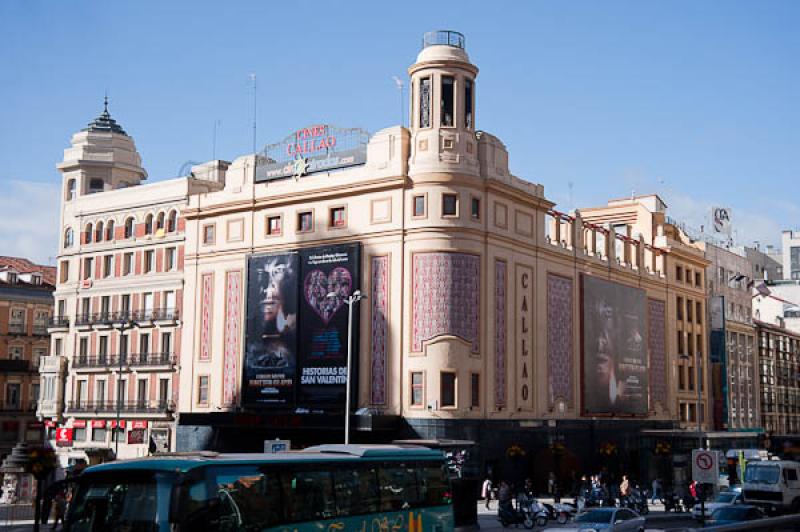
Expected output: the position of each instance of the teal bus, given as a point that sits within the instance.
(371, 488)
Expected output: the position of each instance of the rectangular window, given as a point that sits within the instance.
(679, 308)
(338, 217)
(448, 96)
(447, 389)
(83, 347)
(144, 344)
(166, 343)
(688, 276)
(475, 390)
(698, 279)
(678, 273)
(79, 434)
(121, 389)
(108, 265)
(88, 264)
(425, 102)
(698, 314)
(64, 271)
(468, 103)
(419, 206)
(163, 391)
(691, 377)
(100, 394)
(274, 225)
(169, 259)
(305, 221)
(99, 434)
(141, 392)
(105, 307)
(202, 390)
(689, 310)
(417, 389)
(476, 209)
(209, 234)
(127, 264)
(680, 343)
(149, 260)
(449, 205)
(58, 346)
(102, 347)
(681, 377)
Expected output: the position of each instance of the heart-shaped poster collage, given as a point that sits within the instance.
(318, 285)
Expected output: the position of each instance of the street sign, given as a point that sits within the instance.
(277, 446)
(64, 437)
(705, 466)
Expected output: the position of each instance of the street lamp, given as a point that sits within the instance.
(122, 356)
(353, 298)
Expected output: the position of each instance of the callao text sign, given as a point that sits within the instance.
(64, 437)
(705, 466)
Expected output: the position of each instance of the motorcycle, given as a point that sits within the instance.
(564, 512)
(540, 511)
(636, 501)
(672, 503)
(508, 515)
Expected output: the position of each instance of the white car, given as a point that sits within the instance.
(604, 520)
(724, 499)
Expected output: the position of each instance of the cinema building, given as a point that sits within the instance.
(488, 316)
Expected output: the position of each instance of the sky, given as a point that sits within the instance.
(694, 100)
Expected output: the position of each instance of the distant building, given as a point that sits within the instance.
(778, 303)
(779, 361)
(26, 303)
(767, 263)
(790, 244)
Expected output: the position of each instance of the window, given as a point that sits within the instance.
(166, 343)
(448, 96)
(129, 227)
(99, 434)
(87, 234)
(689, 311)
(98, 232)
(679, 308)
(127, 263)
(88, 264)
(144, 345)
(169, 259)
(419, 206)
(356, 491)
(698, 314)
(141, 392)
(172, 221)
(64, 271)
(78, 434)
(274, 224)
(698, 279)
(105, 306)
(70, 190)
(209, 234)
(690, 370)
(417, 389)
(398, 487)
(96, 185)
(100, 390)
(163, 391)
(311, 494)
(425, 102)
(108, 265)
(476, 209)
(468, 103)
(338, 217)
(110, 230)
(447, 389)
(15, 352)
(148, 224)
(246, 495)
(58, 346)
(681, 377)
(305, 221)
(149, 260)
(678, 273)
(202, 390)
(449, 205)
(475, 390)
(102, 347)
(680, 343)
(68, 237)
(125, 304)
(688, 276)
(160, 221)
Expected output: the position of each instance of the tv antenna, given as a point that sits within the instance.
(255, 106)
(400, 86)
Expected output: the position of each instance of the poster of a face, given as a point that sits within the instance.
(615, 379)
(328, 276)
(271, 343)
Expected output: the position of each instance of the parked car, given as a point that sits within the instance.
(605, 519)
(724, 499)
(735, 514)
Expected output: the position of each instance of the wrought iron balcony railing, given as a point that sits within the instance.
(125, 407)
(58, 321)
(126, 360)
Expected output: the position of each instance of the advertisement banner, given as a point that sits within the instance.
(615, 379)
(328, 276)
(270, 363)
(64, 437)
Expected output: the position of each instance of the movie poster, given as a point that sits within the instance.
(614, 348)
(328, 276)
(270, 364)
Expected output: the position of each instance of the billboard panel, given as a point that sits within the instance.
(615, 379)
(270, 362)
(330, 271)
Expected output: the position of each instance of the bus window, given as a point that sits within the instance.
(247, 497)
(356, 491)
(398, 488)
(309, 495)
(433, 484)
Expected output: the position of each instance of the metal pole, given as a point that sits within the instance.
(350, 301)
(115, 430)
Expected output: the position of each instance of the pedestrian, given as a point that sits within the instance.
(486, 492)
(59, 508)
(656, 490)
(551, 483)
(505, 497)
(624, 488)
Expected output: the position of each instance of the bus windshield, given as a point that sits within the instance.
(765, 474)
(133, 501)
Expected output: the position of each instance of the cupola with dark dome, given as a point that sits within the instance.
(104, 122)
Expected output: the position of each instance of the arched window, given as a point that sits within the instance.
(110, 230)
(172, 221)
(70, 190)
(148, 224)
(68, 237)
(88, 233)
(129, 227)
(160, 220)
(98, 232)
(96, 185)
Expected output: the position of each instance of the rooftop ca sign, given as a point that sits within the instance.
(310, 140)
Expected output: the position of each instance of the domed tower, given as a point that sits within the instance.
(101, 157)
(443, 107)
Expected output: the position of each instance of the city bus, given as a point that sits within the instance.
(372, 488)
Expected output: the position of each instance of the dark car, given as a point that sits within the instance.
(735, 514)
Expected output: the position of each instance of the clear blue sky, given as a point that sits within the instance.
(695, 100)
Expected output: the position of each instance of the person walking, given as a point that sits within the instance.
(656, 494)
(624, 490)
(505, 497)
(486, 492)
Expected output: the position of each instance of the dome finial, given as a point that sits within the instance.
(105, 103)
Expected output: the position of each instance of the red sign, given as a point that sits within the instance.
(49, 423)
(311, 140)
(79, 424)
(86, 283)
(64, 437)
(98, 423)
(139, 424)
(113, 423)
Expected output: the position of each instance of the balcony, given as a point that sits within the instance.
(52, 364)
(18, 406)
(50, 408)
(135, 360)
(126, 407)
(58, 322)
(8, 365)
(40, 330)
(142, 360)
(16, 328)
(166, 316)
(83, 321)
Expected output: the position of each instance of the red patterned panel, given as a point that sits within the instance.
(446, 297)
(380, 309)
(658, 356)
(559, 338)
(206, 308)
(233, 331)
(500, 296)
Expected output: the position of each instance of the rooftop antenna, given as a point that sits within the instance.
(570, 199)
(400, 85)
(214, 144)
(255, 102)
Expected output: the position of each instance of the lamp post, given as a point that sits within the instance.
(122, 356)
(352, 299)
